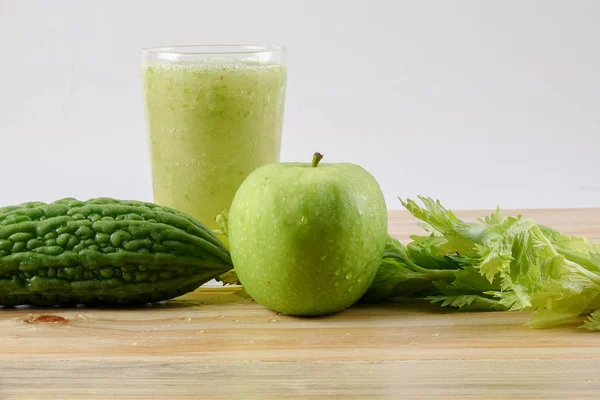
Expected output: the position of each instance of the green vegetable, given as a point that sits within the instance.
(418, 271)
(495, 263)
(593, 321)
(103, 251)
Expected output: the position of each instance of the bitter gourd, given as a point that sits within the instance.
(103, 251)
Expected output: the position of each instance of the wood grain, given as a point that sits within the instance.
(217, 343)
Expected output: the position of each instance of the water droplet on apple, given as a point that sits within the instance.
(349, 275)
(364, 196)
(360, 212)
(323, 257)
(304, 220)
(336, 284)
(337, 272)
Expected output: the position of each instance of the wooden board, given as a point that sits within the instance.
(216, 343)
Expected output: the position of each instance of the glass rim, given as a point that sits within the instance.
(211, 49)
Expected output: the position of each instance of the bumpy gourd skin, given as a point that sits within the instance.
(103, 251)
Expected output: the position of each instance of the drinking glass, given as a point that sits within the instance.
(214, 114)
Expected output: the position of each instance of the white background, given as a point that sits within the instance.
(476, 103)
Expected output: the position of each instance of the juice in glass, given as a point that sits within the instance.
(214, 115)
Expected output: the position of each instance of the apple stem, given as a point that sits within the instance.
(317, 157)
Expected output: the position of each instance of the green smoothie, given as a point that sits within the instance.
(211, 123)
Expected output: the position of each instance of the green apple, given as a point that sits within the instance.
(307, 239)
